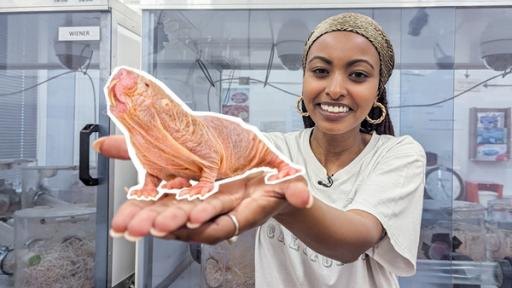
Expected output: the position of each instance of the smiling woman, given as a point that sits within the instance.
(375, 180)
(364, 35)
(340, 84)
(359, 229)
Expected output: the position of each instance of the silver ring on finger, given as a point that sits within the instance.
(237, 228)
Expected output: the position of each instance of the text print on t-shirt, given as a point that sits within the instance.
(293, 243)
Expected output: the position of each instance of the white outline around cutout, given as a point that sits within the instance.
(142, 172)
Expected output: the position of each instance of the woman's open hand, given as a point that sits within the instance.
(249, 200)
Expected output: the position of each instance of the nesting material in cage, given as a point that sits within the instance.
(55, 247)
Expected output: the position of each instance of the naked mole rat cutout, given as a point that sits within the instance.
(177, 150)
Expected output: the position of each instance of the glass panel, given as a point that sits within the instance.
(246, 63)
(49, 90)
(474, 119)
(482, 120)
(426, 113)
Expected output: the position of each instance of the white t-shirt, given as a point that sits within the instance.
(386, 180)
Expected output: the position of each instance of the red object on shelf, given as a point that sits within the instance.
(472, 189)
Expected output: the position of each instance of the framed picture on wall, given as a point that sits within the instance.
(489, 134)
(236, 102)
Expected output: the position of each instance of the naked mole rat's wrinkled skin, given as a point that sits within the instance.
(174, 144)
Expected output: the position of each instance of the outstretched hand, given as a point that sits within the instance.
(250, 200)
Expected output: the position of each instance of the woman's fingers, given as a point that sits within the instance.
(249, 214)
(172, 217)
(136, 219)
(250, 200)
(125, 214)
(263, 202)
(221, 228)
(256, 211)
(223, 201)
(296, 192)
(112, 147)
(141, 223)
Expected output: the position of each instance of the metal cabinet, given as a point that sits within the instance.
(55, 58)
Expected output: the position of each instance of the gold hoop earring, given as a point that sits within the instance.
(381, 118)
(298, 105)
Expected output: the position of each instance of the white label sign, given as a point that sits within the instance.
(79, 33)
(84, 2)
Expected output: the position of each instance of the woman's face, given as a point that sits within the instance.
(340, 81)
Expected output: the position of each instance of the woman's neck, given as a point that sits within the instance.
(337, 151)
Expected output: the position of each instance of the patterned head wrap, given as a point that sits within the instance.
(364, 26)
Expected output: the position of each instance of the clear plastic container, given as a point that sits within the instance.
(55, 247)
(499, 217)
(444, 221)
(10, 171)
(54, 186)
(436, 230)
(10, 185)
(500, 210)
(229, 265)
(469, 227)
(6, 235)
(10, 200)
(463, 273)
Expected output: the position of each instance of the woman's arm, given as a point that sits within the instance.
(340, 235)
(388, 200)
(252, 202)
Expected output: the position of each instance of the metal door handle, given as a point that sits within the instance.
(84, 174)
